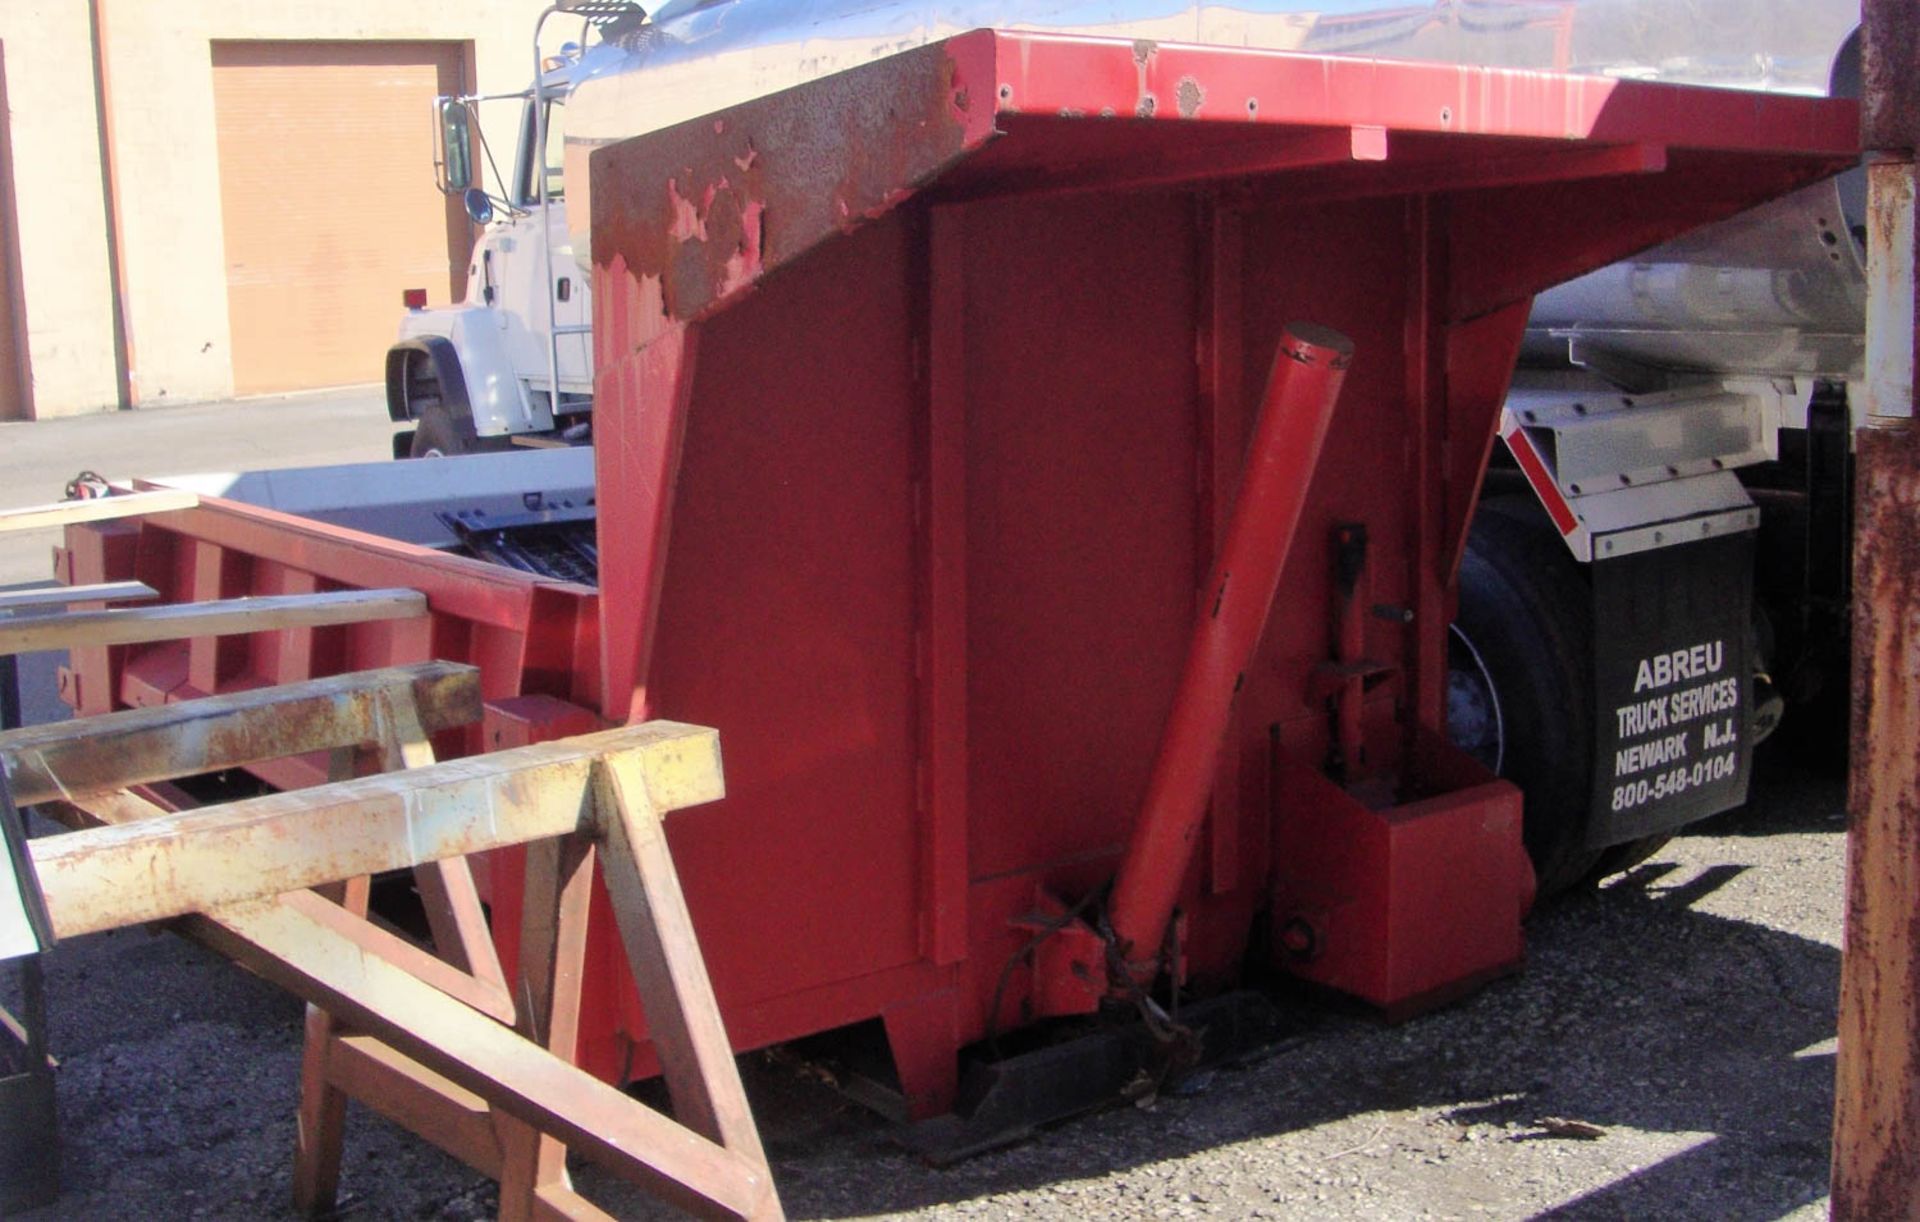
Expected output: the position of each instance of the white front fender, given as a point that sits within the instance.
(478, 334)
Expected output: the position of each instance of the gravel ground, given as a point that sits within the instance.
(1685, 1012)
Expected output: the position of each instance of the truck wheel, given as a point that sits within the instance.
(440, 432)
(1520, 684)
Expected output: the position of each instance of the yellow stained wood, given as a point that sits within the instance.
(627, 1136)
(431, 1042)
(95, 509)
(490, 998)
(190, 861)
(443, 1054)
(138, 746)
(227, 617)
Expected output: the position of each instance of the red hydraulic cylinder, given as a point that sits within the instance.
(1301, 392)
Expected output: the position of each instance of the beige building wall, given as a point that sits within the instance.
(66, 292)
(167, 165)
(158, 64)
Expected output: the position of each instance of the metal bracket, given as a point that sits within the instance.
(1620, 473)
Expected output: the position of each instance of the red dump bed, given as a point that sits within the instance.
(924, 394)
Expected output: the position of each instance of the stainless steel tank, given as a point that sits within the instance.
(1778, 291)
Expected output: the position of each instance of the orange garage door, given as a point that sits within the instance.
(327, 195)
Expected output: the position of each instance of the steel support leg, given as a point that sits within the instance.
(1876, 1139)
(1294, 414)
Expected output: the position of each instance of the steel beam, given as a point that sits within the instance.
(492, 1061)
(465, 1077)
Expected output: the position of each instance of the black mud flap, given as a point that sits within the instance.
(1673, 681)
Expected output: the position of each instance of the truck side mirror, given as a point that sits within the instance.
(479, 207)
(456, 146)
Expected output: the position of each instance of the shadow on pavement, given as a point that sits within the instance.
(1637, 1012)
(1787, 795)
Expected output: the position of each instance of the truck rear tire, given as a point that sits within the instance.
(1520, 684)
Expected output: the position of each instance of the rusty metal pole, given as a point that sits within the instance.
(1876, 1136)
(1294, 413)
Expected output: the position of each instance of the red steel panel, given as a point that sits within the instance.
(788, 613)
(1055, 74)
(1081, 506)
(943, 619)
(1403, 907)
(524, 633)
(949, 484)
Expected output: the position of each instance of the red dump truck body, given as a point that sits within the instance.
(923, 412)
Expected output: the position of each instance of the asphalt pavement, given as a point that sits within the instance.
(37, 458)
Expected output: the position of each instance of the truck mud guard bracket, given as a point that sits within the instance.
(1620, 474)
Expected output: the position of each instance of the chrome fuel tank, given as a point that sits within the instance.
(1779, 290)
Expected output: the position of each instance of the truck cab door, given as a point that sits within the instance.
(549, 288)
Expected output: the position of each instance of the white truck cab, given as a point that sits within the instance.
(514, 358)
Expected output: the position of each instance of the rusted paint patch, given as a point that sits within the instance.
(1890, 71)
(1876, 1158)
(1145, 103)
(704, 209)
(1189, 96)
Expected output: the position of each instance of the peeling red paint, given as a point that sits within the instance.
(705, 208)
(1189, 96)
